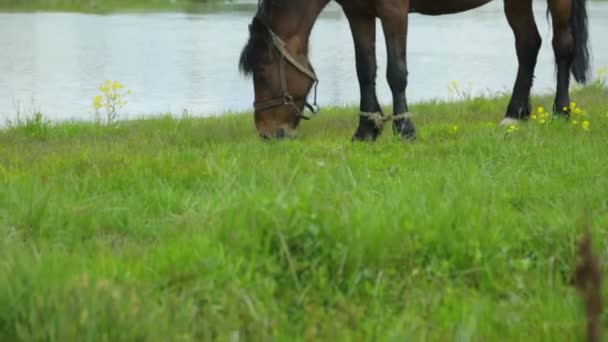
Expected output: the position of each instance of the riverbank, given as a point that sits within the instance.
(109, 6)
(194, 228)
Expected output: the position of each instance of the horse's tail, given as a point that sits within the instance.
(580, 31)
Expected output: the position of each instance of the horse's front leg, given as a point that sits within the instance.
(364, 34)
(527, 43)
(395, 23)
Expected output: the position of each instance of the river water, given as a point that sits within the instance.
(176, 62)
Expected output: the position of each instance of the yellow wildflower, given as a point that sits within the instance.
(540, 110)
(533, 117)
(105, 87)
(454, 129)
(512, 129)
(98, 102)
(574, 122)
(117, 85)
(542, 121)
(572, 106)
(586, 125)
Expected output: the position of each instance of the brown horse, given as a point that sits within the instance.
(277, 57)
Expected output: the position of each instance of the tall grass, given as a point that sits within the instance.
(194, 229)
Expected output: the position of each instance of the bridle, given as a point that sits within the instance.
(286, 99)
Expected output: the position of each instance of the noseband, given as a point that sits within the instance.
(286, 99)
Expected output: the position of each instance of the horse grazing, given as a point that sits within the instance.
(276, 55)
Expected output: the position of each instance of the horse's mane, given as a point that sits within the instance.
(258, 34)
(258, 37)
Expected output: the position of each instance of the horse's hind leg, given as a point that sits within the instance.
(395, 25)
(563, 47)
(570, 47)
(527, 42)
(364, 34)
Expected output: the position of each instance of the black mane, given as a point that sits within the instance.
(258, 35)
(258, 38)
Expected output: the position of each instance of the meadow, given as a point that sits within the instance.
(194, 229)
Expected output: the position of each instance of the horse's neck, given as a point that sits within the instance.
(316, 7)
(297, 24)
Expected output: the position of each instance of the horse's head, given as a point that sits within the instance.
(282, 78)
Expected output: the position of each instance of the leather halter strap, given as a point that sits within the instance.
(286, 99)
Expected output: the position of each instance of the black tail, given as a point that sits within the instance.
(580, 31)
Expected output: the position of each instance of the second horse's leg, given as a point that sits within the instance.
(394, 23)
(364, 34)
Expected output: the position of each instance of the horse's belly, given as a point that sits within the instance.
(438, 7)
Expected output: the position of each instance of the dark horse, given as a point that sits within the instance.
(277, 57)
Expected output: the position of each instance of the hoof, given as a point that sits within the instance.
(369, 128)
(405, 128)
(506, 122)
(365, 136)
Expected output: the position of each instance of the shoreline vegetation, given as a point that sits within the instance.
(195, 228)
(113, 6)
(118, 6)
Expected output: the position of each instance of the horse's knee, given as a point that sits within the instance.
(563, 39)
(563, 42)
(532, 42)
(366, 71)
(528, 48)
(536, 42)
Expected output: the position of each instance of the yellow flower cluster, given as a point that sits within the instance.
(512, 129)
(98, 102)
(112, 98)
(541, 116)
(110, 91)
(107, 86)
(578, 116)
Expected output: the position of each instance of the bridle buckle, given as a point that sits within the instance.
(287, 99)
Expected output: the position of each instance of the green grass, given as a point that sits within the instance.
(194, 229)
